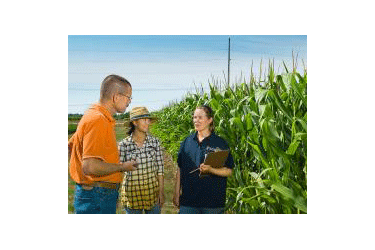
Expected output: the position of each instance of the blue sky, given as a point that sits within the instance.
(162, 69)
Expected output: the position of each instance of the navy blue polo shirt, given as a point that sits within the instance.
(208, 191)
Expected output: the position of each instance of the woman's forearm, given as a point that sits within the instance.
(223, 172)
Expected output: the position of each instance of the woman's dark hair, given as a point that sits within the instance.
(131, 128)
(210, 114)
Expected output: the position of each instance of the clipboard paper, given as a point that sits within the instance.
(216, 159)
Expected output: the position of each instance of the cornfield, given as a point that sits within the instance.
(265, 124)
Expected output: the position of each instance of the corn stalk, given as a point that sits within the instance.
(266, 128)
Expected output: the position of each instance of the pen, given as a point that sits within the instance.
(205, 156)
(193, 171)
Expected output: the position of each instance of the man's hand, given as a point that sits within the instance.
(129, 166)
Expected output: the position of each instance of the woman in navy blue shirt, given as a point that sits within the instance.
(203, 191)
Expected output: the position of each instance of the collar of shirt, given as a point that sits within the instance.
(206, 139)
(145, 143)
(104, 111)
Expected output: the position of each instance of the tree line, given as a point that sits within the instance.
(77, 117)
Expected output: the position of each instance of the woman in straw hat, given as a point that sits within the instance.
(143, 189)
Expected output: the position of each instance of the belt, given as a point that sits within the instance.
(108, 185)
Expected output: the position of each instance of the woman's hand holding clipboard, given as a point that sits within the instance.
(215, 159)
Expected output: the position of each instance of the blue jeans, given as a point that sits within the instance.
(154, 210)
(98, 200)
(200, 210)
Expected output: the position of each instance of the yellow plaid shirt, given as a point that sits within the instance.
(140, 188)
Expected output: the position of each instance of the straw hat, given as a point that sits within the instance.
(138, 113)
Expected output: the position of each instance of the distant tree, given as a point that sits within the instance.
(74, 117)
(121, 116)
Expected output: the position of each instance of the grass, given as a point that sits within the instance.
(72, 127)
(71, 188)
(169, 173)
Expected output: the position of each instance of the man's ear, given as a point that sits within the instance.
(114, 97)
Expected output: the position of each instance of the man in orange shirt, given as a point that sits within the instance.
(93, 152)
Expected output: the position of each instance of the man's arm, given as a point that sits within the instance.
(97, 167)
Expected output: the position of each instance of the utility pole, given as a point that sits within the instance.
(228, 60)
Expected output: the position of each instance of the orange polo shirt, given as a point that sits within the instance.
(95, 138)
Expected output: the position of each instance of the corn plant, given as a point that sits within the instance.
(265, 124)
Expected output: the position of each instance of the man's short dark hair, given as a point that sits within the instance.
(113, 83)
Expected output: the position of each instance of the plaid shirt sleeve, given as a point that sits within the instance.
(122, 151)
(159, 158)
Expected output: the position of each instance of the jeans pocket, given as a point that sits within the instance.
(85, 201)
(83, 193)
